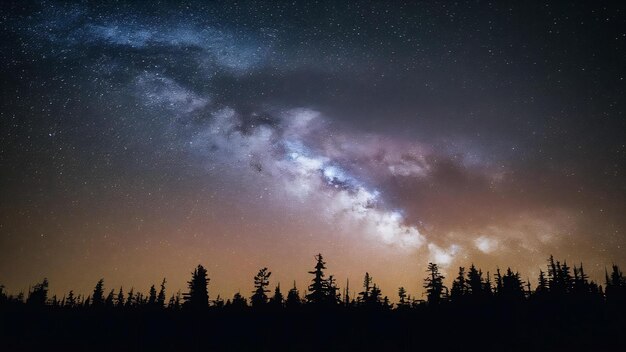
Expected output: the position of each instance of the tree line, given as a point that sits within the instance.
(558, 283)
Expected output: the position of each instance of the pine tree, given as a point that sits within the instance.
(120, 298)
(261, 281)
(542, 284)
(239, 301)
(346, 294)
(433, 284)
(566, 278)
(367, 287)
(131, 297)
(375, 296)
(152, 296)
(475, 281)
(512, 286)
(97, 298)
(317, 289)
(198, 295)
(39, 294)
(70, 302)
(293, 297)
(160, 301)
(459, 286)
(403, 298)
(615, 286)
(498, 288)
(218, 302)
(177, 301)
(109, 301)
(332, 291)
(277, 299)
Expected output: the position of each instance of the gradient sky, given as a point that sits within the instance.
(138, 140)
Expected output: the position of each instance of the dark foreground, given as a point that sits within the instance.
(525, 327)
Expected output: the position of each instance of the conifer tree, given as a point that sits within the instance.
(39, 294)
(278, 299)
(402, 297)
(70, 301)
(97, 298)
(109, 301)
(332, 291)
(433, 284)
(152, 296)
(367, 287)
(239, 301)
(198, 295)
(542, 284)
(293, 297)
(317, 289)
(119, 302)
(261, 281)
(131, 297)
(475, 281)
(459, 286)
(512, 286)
(160, 300)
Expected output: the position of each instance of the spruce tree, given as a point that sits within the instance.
(70, 302)
(459, 286)
(364, 296)
(403, 298)
(198, 295)
(39, 294)
(160, 300)
(317, 289)
(261, 281)
(120, 298)
(433, 284)
(278, 299)
(293, 297)
(97, 298)
(109, 301)
(152, 296)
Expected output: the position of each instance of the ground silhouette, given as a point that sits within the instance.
(483, 312)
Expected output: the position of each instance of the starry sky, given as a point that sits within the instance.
(139, 140)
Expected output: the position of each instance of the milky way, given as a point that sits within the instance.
(258, 134)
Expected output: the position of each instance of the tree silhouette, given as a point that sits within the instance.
(332, 291)
(433, 284)
(364, 296)
(475, 282)
(512, 286)
(239, 301)
(512, 312)
(317, 289)
(119, 302)
(131, 297)
(152, 296)
(293, 297)
(615, 287)
(277, 300)
(459, 286)
(160, 301)
(261, 281)
(198, 295)
(97, 298)
(70, 301)
(403, 302)
(542, 284)
(109, 301)
(39, 294)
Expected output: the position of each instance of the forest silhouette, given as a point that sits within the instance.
(562, 310)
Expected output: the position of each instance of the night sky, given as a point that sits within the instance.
(139, 140)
